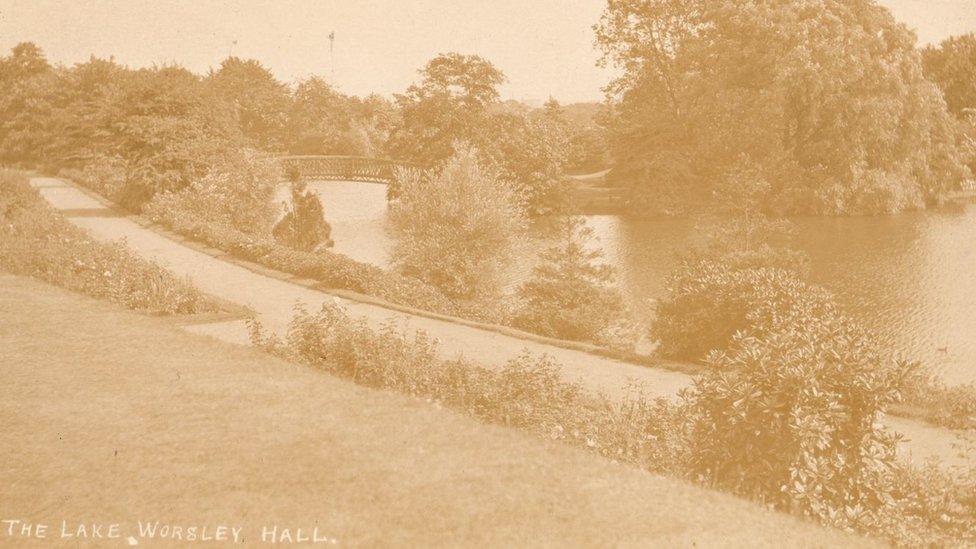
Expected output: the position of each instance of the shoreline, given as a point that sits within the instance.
(687, 370)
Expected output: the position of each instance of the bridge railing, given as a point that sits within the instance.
(351, 168)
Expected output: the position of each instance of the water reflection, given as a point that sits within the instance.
(912, 277)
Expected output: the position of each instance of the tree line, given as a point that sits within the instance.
(163, 125)
(831, 101)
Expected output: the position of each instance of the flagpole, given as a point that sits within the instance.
(331, 54)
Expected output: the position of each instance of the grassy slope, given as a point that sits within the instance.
(119, 416)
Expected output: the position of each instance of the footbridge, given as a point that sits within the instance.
(343, 168)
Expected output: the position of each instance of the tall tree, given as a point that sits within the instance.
(530, 149)
(260, 101)
(318, 120)
(450, 104)
(27, 84)
(952, 65)
(828, 97)
(170, 127)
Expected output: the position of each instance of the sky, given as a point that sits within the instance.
(544, 47)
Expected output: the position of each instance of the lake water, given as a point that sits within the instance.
(911, 277)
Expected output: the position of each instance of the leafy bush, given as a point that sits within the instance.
(527, 393)
(817, 411)
(569, 295)
(791, 418)
(744, 278)
(708, 303)
(36, 241)
(454, 228)
(753, 242)
(331, 269)
(950, 406)
(103, 174)
(304, 227)
(238, 191)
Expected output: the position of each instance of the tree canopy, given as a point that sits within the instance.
(952, 65)
(259, 100)
(828, 97)
(450, 104)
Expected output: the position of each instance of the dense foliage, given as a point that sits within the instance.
(570, 294)
(450, 104)
(828, 98)
(455, 227)
(854, 484)
(36, 241)
(322, 120)
(238, 190)
(260, 102)
(303, 226)
(457, 101)
(709, 302)
(531, 149)
(791, 417)
(160, 129)
(952, 66)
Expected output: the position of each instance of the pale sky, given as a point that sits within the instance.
(545, 47)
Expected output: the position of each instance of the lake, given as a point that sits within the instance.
(910, 277)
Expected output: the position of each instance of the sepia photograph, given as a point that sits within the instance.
(503, 273)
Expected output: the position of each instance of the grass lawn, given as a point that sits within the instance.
(114, 417)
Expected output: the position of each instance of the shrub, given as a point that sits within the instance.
(708, 303)
(238, 191)
(103, 174)
(754, 242)
(950, 406)
(454, 228)
(331, 269)
(528, 392)
(791, 418)
(304, 227)
(569, 295)
(930, 507)
(36, 241)
(816, 411)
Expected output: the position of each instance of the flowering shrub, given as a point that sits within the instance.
(103, 174)
(36, 241)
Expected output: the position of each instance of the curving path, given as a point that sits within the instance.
(229, 442)
(273, 300)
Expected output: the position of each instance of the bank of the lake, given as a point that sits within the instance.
(909, 277)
